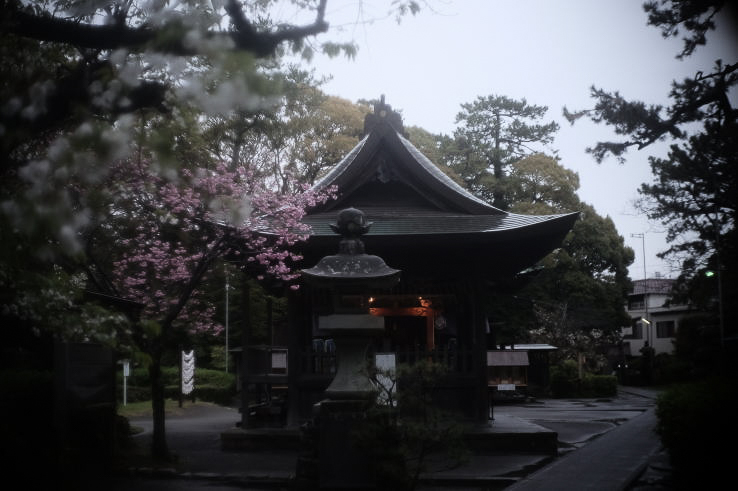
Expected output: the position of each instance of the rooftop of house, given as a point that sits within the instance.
(661, 286)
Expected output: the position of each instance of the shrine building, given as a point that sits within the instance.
(453, 250)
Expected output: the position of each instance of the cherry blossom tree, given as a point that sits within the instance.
(169, 228)
(79, 76)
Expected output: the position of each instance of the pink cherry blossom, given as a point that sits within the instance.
(170, 231)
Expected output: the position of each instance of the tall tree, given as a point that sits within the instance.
(162, 235)
(80, 79)
(76, 72)
(576, 297)
(435, 147)
(494, 132)
(295, 140)
(539, 184)
(695, 190)
(326, 135)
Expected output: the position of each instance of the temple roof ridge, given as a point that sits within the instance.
(442, 177)
(385, 154)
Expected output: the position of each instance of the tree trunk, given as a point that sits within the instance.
(159, 448)
(498, 193)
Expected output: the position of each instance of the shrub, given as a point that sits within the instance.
(695, 424)
(26, 397)
(27, 387)
(215, 378)
(565, 382)
(599, 386)
(401, 430)
(668, 369)
(564, 379)
(210, 385)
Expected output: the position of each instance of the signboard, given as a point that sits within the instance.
(507, 358)
(279, 361)
(505, 386)
(126, 373)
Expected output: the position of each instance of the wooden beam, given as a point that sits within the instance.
(402, 311)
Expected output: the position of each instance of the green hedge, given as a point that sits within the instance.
(210, 385)
(696, 423)
(565, 382)
(599, 386)
(564, 379)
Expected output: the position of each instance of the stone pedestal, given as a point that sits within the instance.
(332, 458)
(352, 334)
(341, 464)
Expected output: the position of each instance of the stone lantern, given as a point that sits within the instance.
(347, 277)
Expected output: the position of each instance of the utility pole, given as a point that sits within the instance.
(245, 332)
(720, 281)
(642, 236)
(226, 319)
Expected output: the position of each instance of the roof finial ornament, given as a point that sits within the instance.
(383, 115)
(381, 108)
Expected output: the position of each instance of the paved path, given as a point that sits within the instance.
(608, 457)
(611, 462)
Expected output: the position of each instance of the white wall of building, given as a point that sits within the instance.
(648, 302)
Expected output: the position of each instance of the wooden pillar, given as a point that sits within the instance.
(479, 351)
(295, 335)
(179, 364)
(270, 319)
(430, 334)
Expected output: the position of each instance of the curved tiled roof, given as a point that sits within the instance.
(408, 221)
(340, 167)
(440, 176)
(385, 152)
(419, 215)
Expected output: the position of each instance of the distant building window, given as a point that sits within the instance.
(637, 328)
(665, 329)
(636, 302)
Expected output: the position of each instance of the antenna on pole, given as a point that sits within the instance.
(642, 236)
(226, 319)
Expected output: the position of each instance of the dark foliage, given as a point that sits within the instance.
(695, 425)
(695, 191)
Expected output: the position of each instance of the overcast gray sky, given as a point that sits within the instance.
(549, 52)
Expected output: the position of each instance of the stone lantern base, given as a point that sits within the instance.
(332, 460)
(341, 464)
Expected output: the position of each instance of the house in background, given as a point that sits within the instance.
(654, 319)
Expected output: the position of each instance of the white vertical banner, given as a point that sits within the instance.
(188, 372)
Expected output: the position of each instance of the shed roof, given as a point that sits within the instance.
(532, 347)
